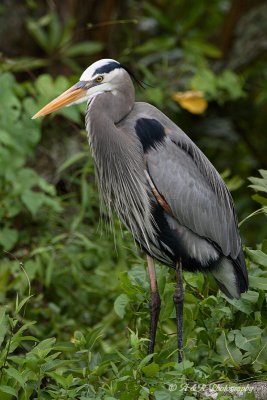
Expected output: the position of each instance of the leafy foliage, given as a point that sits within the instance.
(82, 352)
(74, 312)
(54, 39)
(23, 191)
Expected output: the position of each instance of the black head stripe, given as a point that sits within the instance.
(132, 75)
(105, 69)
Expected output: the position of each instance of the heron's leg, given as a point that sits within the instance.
(154, 304)
(178, 299)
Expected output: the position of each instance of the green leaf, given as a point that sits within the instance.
(22, 303)
(264, 246)
(56, 364)
(72, 160)
(49, 271)
(130, 289)
(162, 395)
(260, 182)
(20, 64)
(195, 280)
(9, 390)
(258, 257)
(258, 282)
(3, 324)
(84, 49)
(231, 84)
(206, 48)
(37, 33)
(260, 199)
(42, 349)
(120, 305)
(151, 370)
(247, 344)
(123, 378)
(155, 95)
(108, 398)
(6, 139)
(259, 187)
(8, 238)
(263, 173)
(79, 339)
(45, 344)
(205, 81)
(158, 14)
(250, 296)
(259, 363)
(153, 45)
(230, 354)
(13, 373)
(145, 360)
(27, 178)
(58, 378)
(33, 201)
(54, 32)
(245, 303)
(185, 366)
(46, 187)
(251, 331)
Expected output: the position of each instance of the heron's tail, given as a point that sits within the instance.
(231, 276)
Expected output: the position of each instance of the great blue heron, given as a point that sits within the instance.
(161, 185)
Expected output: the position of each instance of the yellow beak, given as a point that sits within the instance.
(69, 96)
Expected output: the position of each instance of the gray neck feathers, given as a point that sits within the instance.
(104, 111)
(119, 161)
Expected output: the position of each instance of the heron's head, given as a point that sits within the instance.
(105, 75)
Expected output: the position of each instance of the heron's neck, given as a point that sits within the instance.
(113, 106)
(103, 113)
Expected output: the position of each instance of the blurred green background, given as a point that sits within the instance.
(63, 274)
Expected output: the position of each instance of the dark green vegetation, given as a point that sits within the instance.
(74, 309)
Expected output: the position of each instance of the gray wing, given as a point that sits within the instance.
(193, 189)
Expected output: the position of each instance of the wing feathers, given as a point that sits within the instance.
(194, 191)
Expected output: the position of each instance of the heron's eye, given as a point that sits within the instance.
(99, 79)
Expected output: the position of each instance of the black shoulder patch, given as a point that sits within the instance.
(107, 68)
(150, 132)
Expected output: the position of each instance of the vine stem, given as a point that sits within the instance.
(259, 211)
